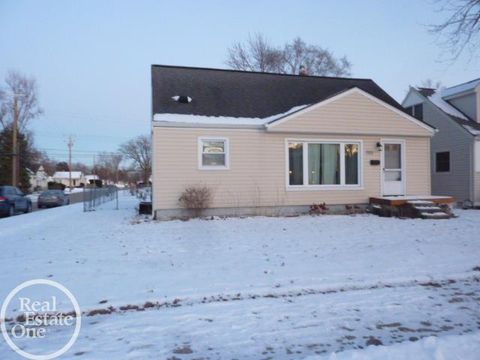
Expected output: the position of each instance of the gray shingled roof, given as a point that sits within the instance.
(232, 93)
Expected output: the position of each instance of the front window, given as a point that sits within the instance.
(213, 153)
(327, 164)
(351, 164)
(323, 164)
(295, 163)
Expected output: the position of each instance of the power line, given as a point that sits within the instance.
(80, 151)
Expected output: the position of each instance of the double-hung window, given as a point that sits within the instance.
(442, 161)
(324, 164)
(213, 153)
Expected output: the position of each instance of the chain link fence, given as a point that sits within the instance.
(95, 196)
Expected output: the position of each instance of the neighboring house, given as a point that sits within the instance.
(63, 177)
(275, 144)
(39, 180)
(90, 179)
(455, 158)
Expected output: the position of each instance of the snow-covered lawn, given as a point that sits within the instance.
(251, 288)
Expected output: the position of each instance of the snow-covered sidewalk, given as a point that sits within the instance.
(271, 287)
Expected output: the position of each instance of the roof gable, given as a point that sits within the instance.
(459, 90)
(447, 109)
(353, 111)
(241, 94)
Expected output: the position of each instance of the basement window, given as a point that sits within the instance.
(442, 161)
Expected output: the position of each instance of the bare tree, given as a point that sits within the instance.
(257, 54)
(461, 29)
(315, 60)
(109, 165)
(139, 150)
(19, 96)
(430, 84)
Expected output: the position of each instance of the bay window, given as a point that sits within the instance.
(324, 164)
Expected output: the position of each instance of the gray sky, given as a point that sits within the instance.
(92, 58)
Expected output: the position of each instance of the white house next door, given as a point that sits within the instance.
(393, 172)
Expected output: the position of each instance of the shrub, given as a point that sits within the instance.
(318, 209)
(52, 185)
(353, 209)
(196, 199)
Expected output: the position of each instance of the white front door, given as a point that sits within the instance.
(393, 172)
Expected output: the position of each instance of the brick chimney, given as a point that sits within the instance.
(303, 71)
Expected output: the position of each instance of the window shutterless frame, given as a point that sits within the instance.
(437, 163)
(226, 151)
(342, 186)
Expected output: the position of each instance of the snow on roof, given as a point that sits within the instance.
(91, 177)
(66, 175)
(459, 117)
(437, 100)
(461, 88)
(472, 130)
(222, 120)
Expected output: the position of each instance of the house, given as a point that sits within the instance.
(63, 177)
(455, 157)
(90, 179)
(275, 144)
(39, 179)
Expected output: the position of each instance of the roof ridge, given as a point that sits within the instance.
(464, 83)
(258, 72)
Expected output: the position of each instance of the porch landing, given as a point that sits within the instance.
(402, 200)
(416, 206)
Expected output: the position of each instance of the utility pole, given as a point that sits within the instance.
(70, 145)
(14, 142)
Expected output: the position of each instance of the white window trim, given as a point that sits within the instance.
(200, 152)
(341, 186)
(449, 162)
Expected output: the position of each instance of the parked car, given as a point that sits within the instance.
(13, 200)
(53, 198)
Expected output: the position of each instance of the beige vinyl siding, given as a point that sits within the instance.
(353, 113)
(257, 174)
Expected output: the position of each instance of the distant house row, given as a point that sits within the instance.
(40, 179)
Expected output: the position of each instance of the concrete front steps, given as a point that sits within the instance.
(429, 210)
(422, 207)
